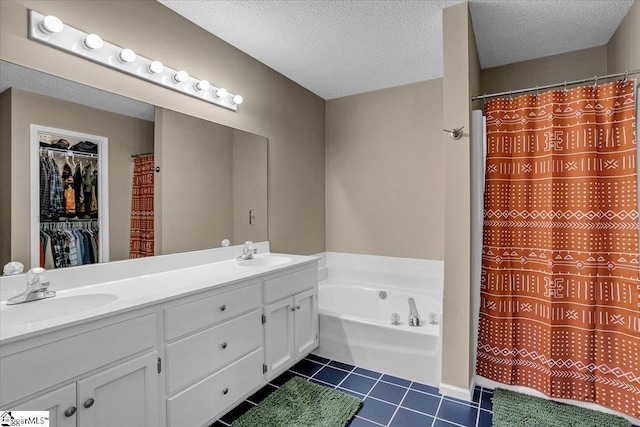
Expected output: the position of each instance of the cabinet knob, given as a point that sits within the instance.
(224, 345)
(225, 390)
(293, 308)
(223, 307)
(69, 412)
(298, 307)
(88, 403)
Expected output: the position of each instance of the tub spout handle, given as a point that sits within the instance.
(414, 317)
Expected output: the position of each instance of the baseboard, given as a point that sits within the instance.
(458, 392)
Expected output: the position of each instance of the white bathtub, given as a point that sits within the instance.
(355, 327)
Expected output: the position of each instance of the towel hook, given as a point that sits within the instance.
(565, 88)
(455, 133)
(625, 80)
(595, 82)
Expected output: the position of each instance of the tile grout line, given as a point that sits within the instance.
(324, 366)
(400, 403)
(478, 414)
(415, 410)
(369, 421)
(479, 400)
(367, 395)
(352, 371)
(345, 377)
(451, 422)
(435, 416)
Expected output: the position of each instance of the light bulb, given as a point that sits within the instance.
(237, 99)
(156, 67)
(202, 85)
(93, 41)
(181, 76)
(127, 55)
(51, 24)
(221, 93)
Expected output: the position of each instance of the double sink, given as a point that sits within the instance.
(74, 302)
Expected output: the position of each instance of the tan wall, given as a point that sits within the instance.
(249, 187)
(195, 182)
(126, 136)
(5, 176)
(569, 66)
(291, 117)
(475, 84)
(623, 49)
(461, 80)
(384, 189)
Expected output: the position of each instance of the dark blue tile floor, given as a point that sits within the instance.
(387, 400)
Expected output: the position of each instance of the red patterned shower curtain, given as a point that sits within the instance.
(560, 285)
(142, 239)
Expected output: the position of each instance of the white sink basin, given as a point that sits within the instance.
(265, 261)
(50, 308)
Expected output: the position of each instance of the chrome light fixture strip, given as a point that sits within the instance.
(73, 41)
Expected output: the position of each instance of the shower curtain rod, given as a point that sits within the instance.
(565, 84)
(133, 156)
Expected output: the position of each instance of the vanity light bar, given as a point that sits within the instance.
(51, 31)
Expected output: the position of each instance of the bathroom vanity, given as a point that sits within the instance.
(177, 348)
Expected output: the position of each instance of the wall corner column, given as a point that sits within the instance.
(461, 79)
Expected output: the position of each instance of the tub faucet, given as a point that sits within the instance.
(248, 251)
(414, 317)
(36, 288)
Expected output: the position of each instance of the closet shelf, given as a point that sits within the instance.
(80, 154)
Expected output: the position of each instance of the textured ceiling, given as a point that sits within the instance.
(12, 75)
(336, 48)
(513, 31)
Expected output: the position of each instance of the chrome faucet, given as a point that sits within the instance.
(414, 317)
(36, 288)
(248, 251)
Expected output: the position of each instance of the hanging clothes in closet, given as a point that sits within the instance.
(51, 192)
(69, 233)
(66, 247)
(72, 193)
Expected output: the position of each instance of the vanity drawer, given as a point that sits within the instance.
(205, 352)
(283, 286)
(206, 399)
(33, 370)
(198, 314)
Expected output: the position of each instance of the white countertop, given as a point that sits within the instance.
(132, 293)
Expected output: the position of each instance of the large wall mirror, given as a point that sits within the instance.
(210, 180)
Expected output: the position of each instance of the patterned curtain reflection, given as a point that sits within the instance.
(142, 239)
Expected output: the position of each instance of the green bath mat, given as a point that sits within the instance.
(300, 403)
(517, 409)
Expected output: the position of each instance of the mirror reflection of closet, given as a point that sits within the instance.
(69, 198)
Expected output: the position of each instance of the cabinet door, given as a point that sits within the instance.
(278, 339)
(126, 394)
(60, 403)
(306, 322)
